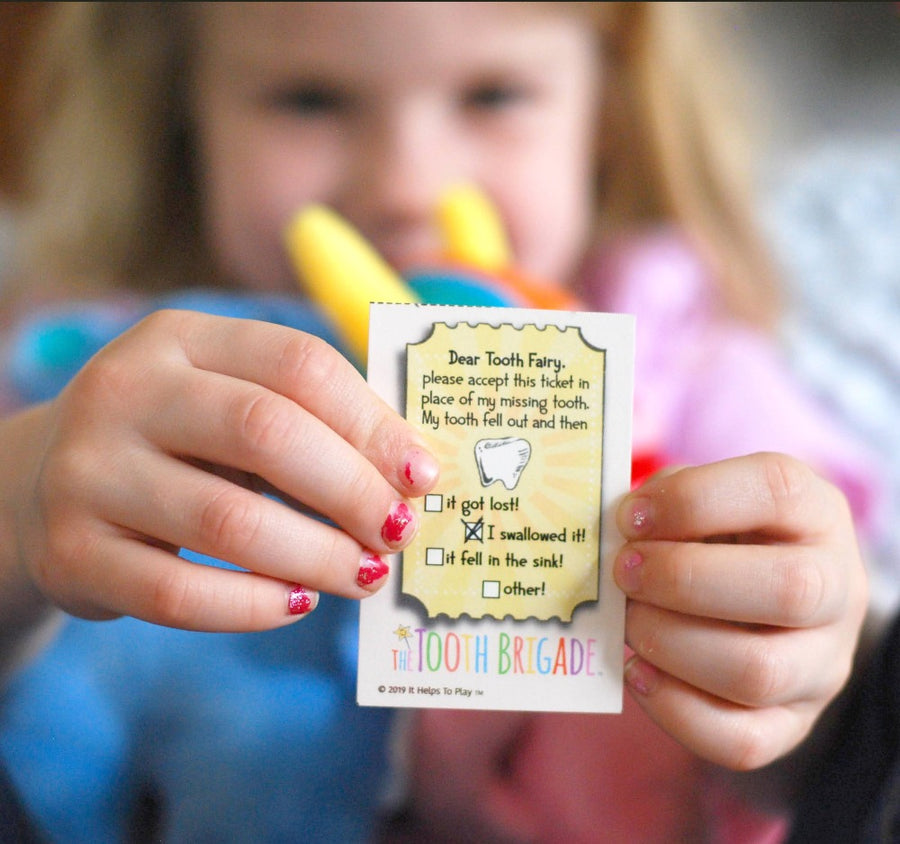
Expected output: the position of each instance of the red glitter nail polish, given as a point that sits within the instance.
(299, 601)
(372, 569)
(396, 523)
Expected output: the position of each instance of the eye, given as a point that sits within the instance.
(309, 100)
(495, 96)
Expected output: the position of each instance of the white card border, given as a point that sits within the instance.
(391, 328)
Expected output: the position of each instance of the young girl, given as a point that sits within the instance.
(179, 139)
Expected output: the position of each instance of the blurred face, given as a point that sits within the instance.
(375, 108)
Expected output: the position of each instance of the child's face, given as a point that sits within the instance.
(375, 108)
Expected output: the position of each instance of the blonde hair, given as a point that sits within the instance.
(114, 198)
(676, 130)
(111, 198)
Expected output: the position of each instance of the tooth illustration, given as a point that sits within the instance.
(503, 459)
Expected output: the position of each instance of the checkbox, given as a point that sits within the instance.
(490, 588)
(473, 530)
(434, 503)
(434, 556)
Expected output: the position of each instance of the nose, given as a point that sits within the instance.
(408, 158)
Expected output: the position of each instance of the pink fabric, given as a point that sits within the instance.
(708, 387)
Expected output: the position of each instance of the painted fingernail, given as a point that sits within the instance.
(301, 601)
(399, 525)
(640, 517)
(641, 677)
(420, 469)
(628, 571)
(371, 570)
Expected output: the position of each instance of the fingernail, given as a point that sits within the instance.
(628, 571)
(420, 469)
(371, 570)
(301, 601)
(641, 677)
(399, 525)
(640, 516)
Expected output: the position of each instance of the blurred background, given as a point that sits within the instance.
(833, 69)
(829, 177)
(18, 21)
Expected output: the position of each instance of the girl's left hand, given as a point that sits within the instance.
(746, 593)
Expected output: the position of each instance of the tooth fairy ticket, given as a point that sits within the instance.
(505, 597)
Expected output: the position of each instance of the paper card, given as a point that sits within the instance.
(505, 599)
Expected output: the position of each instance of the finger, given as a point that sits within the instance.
(724, 733)
(756, 667)
(312, 374)
(225, 421)
(786, 585)
(125, 576)
(768, 494)
(213, 516)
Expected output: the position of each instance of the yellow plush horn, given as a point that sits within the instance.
(342, 273)
(473, 232)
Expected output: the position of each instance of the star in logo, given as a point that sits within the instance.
(404, 634)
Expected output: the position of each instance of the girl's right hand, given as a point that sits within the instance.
(166, 439)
